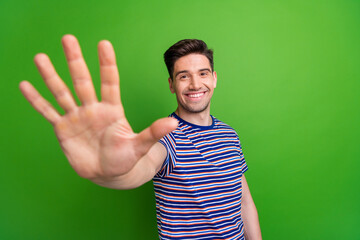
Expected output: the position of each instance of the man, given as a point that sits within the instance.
(197, 166)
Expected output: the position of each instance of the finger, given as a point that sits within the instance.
(78, 70)
(110, 89)
(148, 137)
(58, 88)
(39, 103)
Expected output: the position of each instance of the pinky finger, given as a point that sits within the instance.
(39, 103)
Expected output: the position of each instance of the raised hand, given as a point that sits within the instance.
(96, 136)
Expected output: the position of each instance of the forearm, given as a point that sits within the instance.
(251, 221)
(139, 175)
(120, 183)
(249, 214)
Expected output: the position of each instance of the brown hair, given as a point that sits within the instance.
(186, 47)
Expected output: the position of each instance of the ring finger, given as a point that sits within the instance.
(58, 88)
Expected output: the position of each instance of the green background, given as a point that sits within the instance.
(288, 82)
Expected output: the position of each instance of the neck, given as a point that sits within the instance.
(202, 118)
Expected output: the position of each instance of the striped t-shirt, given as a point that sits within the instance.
(198, 188)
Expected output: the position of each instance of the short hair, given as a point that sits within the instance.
(185, 47)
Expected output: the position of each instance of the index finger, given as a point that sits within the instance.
(110, 86)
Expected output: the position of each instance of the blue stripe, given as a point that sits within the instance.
(198, 189)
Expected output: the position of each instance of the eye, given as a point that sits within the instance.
(183, 76)
(203, 74)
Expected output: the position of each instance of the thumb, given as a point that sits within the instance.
(149, 136)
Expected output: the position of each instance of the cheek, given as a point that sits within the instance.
(211, 84)
(181, 86)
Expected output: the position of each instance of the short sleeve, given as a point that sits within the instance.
(242, 160)
(244, 166)
(168, 141)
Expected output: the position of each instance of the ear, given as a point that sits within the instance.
(215, 79)
(171, 85)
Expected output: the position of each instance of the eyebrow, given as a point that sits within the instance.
(186, 71)
(205, 69)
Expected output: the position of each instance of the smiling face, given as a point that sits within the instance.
(193, 83)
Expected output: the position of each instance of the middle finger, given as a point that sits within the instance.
(79, 72)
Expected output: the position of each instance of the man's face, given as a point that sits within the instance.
(193, 83)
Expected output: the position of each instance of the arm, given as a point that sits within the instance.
(143, 171)
(249, 214)
(96, 137)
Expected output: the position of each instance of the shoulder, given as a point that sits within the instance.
(225, 128)
(220, 124)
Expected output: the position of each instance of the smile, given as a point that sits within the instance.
(195, 96)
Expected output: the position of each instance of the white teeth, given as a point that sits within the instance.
(195, 95)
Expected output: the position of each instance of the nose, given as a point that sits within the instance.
(195, 83)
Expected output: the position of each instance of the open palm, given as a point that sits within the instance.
(96, 136)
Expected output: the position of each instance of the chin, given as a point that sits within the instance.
(197, 109)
